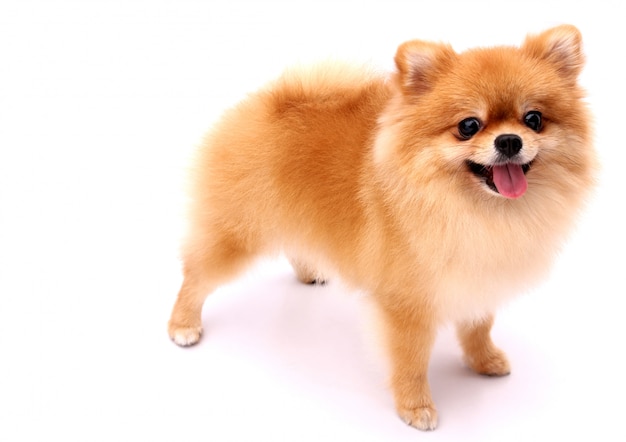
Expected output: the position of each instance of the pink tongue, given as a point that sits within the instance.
(510, 180)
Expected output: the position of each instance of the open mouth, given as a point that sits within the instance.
(507, 179)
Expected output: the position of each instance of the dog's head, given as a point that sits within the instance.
(499, 120)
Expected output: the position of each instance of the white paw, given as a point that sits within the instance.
(185, 336)
(422, 418)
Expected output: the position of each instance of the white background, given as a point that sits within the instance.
(101, 104)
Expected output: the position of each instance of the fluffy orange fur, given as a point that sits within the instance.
(366, 176)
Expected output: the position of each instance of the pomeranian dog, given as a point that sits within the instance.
(441, 190)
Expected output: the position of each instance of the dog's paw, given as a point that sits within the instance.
(422, 418)
(492, 363)
(306, 274)
(185, 336)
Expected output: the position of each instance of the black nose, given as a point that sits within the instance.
(508, 144)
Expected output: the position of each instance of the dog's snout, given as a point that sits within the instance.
(508, 144)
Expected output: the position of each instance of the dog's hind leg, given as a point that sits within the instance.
(205, 267)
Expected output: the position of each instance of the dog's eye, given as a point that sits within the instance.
(469, 127)
(533, 120)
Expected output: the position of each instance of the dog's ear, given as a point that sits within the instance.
(419, 62)
(561, 46)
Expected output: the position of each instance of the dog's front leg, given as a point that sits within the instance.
(480, 353)
(410, 334)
